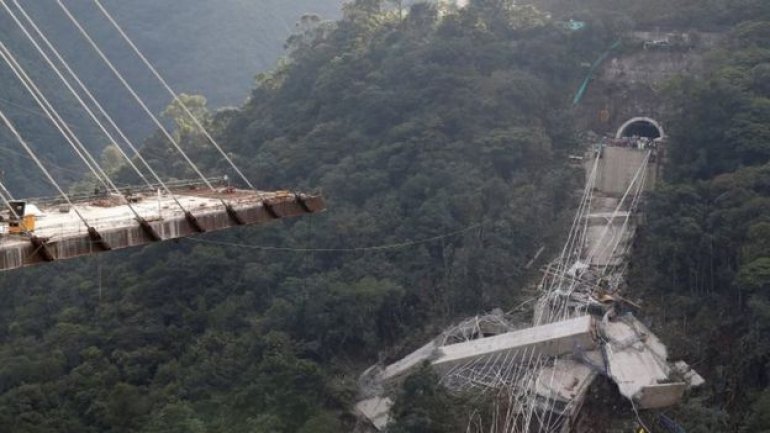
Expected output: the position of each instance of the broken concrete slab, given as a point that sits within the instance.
(411, 362)
(631, 363)
(637, 361)
(660, 395)
(565, 381)
(629, 331)
(690, 376)
(376, 410)
(548, 340)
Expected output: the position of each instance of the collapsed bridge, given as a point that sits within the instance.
(539, 372)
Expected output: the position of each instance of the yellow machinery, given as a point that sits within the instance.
(17, 221)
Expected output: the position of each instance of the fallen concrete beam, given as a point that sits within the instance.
(410, 363)
(548, 340)
(609, 216)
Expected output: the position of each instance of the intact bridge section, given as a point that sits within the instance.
(49, 231)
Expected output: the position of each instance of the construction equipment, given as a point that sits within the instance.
(17, 220)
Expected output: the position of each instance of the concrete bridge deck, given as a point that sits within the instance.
(60, 234)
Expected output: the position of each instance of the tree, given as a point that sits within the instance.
(126, 408)
(112, 160)
(759, 421)
(179, 111)
(176, 417)
(424, 406)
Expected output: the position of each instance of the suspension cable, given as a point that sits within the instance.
(109, 183)
(133, 93)
(171, 91)
(7, 203)
(230, 209)
(374, 248)
(53, 115)
(96, 103)
(593, 252)
(5, 190)
(632, 208)
(71, 89)
(40, 165)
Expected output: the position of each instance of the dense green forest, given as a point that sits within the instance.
(447, 138)
(703, 260)
(682, 15)
(210, 48)
(413, 128)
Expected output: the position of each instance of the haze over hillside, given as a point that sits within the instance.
(212, 48)
(445, 143)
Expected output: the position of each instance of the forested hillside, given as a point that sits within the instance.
(443, 139)
(209, 48)
(703, 260)
(441, 144)
(203, 47)
(662, 15)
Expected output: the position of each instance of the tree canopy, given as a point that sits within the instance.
(439, 137)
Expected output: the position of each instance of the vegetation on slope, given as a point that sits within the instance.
(213, 48)
(704, 256)
(414, 128)
(665, 15)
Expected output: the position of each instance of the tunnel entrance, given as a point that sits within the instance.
(641, 127)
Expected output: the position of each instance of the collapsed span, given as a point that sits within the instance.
(538, 373)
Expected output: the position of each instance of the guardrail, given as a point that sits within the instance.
(128, 190)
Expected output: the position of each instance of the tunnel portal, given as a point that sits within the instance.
(641, 127)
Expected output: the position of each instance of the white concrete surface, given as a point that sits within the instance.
(638, 364)
(54, 224)
(549, 340)
(411, 362)
(376, 410)
(59, 233)
(566, 381)
(617, 168)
